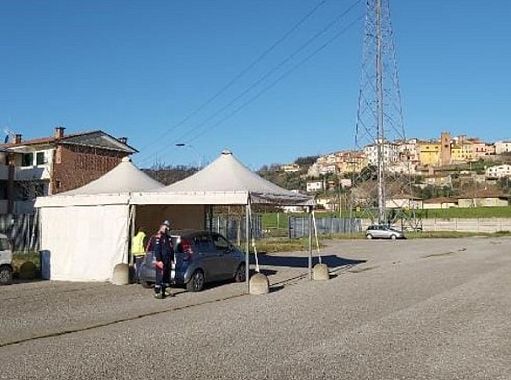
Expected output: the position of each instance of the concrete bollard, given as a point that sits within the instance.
(120, 275)
(320, 272)
(259, 284)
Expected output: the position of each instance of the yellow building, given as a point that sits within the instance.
(462, 152)
(351, 162)
(456, 153)
(429, 153)
(468, 151)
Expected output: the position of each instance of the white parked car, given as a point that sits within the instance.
(5, 261)
(381, 231)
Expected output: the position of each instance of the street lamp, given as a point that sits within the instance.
(184, 145)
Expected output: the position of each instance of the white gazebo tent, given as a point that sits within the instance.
(86, 231)
(226, 181)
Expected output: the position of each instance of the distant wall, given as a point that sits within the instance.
(467, 225)
(460, 224)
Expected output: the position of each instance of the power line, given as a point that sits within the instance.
(277, 67)
(242, 72)
(267, 75)
(279, 79)
(275, 82)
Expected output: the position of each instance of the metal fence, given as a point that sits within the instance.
(233, 227)
(22, 231)
(299, 226)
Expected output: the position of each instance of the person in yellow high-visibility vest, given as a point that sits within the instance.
(138, 248)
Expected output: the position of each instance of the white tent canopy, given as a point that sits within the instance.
(225, 181)
(113, 187)
(86, 231)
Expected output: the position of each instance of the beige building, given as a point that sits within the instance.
(350, 162)
(440, 203)
(481, 149)
(290, 168)
(502, 147)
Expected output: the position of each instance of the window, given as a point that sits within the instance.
(203, 244)
(221, 244)
(27, 159)
(40, 158)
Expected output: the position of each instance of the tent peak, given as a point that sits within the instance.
(226, 152)
(126, 159)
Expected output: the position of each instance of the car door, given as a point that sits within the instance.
(388, 232)
(228, 262)
(380, 232)
(207, 256)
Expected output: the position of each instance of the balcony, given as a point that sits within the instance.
(32, 173)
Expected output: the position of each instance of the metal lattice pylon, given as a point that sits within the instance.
(380, 131)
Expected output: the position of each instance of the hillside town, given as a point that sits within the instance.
(441, 171)
(415, 157)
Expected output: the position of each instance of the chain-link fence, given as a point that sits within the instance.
(21, 230)
(233, 227)
(299, 226)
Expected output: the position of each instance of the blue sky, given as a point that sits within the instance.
(138, 68)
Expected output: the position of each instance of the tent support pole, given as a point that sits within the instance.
(131, 258)
(309, 210)
(133, 215)
(247, 245)
(210, 217)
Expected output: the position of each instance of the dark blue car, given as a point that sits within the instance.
(200, 257)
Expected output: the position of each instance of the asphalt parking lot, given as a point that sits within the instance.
(417, 309)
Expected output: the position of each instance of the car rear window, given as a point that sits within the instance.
(203, 243)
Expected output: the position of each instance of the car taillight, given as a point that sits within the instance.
(186, 248)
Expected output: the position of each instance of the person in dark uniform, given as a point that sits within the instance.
(164, 255)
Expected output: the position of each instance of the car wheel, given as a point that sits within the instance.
(196, 283)
(393, 237)
(5, 275)
(369, 236)
(146, 284)
(240, 275)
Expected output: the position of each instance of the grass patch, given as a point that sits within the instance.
(270, 245)
(282, 245)
(454, 234)
(278, 223)
(19, 258)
